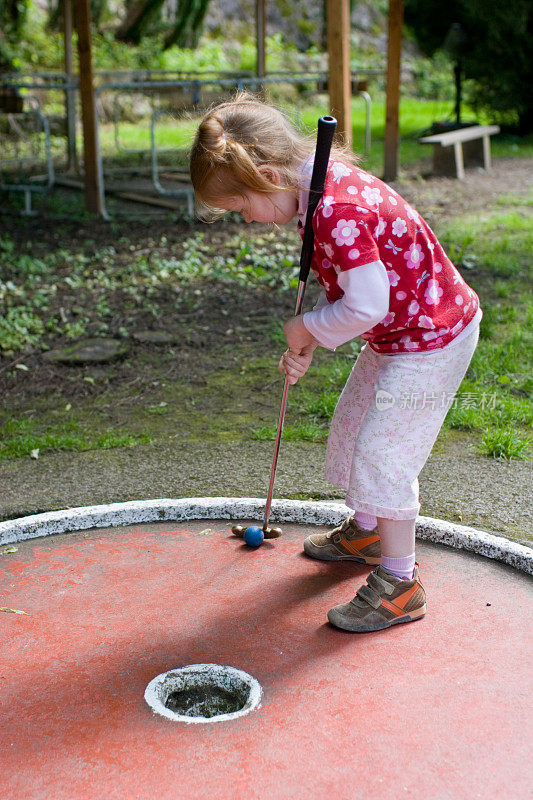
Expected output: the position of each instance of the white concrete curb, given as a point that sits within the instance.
(236, 508)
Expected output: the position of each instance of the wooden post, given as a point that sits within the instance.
(392, 127)
(93, 199)
(340, 82)
(260, 33)
(70, 94)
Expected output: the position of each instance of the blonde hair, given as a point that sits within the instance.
(234, 139)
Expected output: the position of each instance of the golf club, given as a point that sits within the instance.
(325, 132)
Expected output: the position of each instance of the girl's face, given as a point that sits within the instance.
(277, 206)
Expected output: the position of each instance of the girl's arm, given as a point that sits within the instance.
(365, 303)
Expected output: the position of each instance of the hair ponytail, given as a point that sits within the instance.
(233, 140)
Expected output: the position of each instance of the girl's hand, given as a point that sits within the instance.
(296, 360)
(297, 335)
(295, 365)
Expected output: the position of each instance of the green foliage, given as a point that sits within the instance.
(336, 372)
(247, 261)
(433, 78)
(458, 252)
(281, 56)
(322, 405)
(108, 53)
(33, 290)
(19, 329)
(211, 56)
(505, 444)
(262, 261)
(13, 14)
(501, 74)
(145, 21)
(276, 335)
(39, 46)
(304, 432)
(264, 433)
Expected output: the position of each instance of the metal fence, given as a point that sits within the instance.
(170, 93)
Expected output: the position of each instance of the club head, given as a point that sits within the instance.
(270, 532)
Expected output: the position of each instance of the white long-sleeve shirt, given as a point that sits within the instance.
(365, 303)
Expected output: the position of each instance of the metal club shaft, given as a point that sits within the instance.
(325, 133)
(298, 310)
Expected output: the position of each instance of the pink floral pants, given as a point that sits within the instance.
(386, 422)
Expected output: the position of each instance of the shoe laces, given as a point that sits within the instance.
(335, 534)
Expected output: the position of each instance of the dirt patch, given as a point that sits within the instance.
(438, 199)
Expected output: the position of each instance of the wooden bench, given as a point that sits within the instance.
(471, 145)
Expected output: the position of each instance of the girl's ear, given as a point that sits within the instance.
(270, 173)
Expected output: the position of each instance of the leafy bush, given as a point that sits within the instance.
(433, 78)
(211, 56)
(19, 329)
(500, 76)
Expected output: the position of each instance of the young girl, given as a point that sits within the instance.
(385, 278)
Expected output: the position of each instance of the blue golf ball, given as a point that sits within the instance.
(253, 536)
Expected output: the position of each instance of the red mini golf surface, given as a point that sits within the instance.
(436, 708)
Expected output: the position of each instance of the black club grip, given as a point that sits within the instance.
(324, 139)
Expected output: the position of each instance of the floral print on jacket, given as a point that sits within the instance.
(360, 220)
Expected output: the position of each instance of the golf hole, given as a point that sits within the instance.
(203, 693)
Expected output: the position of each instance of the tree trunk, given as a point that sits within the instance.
(55, 16)
(187, 30)
(138, 11)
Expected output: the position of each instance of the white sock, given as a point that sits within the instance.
(401, 567)
(365, 521)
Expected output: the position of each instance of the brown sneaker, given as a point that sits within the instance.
(383, 601)
(347, 542)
